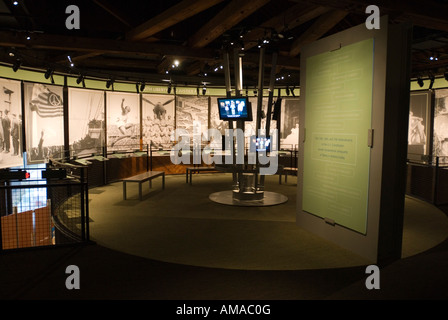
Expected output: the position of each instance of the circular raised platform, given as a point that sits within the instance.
(269, 199)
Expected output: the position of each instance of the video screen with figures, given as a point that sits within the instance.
(234, 109)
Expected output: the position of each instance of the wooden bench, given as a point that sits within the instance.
(141, 178)
(191, 170)
(285, 171)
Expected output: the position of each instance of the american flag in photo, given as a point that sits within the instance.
(46, 103)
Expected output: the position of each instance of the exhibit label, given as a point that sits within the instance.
(337, 120)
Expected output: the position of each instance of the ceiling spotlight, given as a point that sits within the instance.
(434, 57)
(16, 3)
(176, 63)
(431, 81)
(48, 73)
(16, 65)
(109, 83)
(79, 79)
(71, 62)
(420, 81)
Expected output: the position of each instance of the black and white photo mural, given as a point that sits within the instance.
(419, 124)
(158, 120)
(192, 110)
(123, 121)
(289, 120)
(44, 122)
(11, 152)
(441, 125)
(86, 121)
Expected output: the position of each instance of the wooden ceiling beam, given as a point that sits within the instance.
(231, 15)
(321, 26)
(289, 19)
(119, 62)
(117, 14)
(430, 14)
(101, 46)
(194, 68)
(76, 57)
(177, 13)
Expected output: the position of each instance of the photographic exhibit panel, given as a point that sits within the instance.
(44, 121)
(289, 133)
(440, 142)
(123, 121)
(158, 120)
(11, 152)
(191, 109)
(338, 116)
(419, 124)
(86, 121)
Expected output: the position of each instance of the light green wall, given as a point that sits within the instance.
(38, 76)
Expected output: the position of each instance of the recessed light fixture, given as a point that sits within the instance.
(71, 62)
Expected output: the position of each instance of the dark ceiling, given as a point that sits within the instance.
(140, 40)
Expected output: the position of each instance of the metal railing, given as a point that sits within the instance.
(427, 178)
(48, 209)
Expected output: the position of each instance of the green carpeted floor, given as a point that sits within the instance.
(181, 225)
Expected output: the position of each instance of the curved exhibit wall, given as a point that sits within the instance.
(62, 118)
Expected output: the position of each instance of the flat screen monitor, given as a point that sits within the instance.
(260, 144)
(233, 109)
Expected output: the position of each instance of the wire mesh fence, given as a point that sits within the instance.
(38, 211)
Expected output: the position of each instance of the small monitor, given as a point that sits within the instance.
(233, 109)
(260, 144)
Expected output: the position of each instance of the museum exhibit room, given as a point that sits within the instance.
(223, 150)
